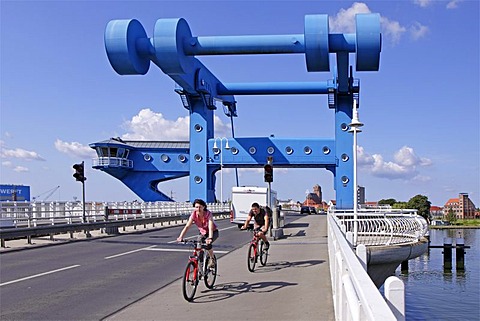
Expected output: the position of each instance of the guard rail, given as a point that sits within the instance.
(383, 226)
(355, 296)
(40, 219)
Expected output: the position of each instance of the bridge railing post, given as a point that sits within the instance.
(395, 296)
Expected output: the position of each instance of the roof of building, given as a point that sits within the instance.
(314, 197)
(451, 201)
(145, 144)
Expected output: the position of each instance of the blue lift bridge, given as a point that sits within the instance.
(142, 165)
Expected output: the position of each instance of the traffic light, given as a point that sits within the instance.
(268, 173)
(79, 172)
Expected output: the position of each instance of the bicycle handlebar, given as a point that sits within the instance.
(194, 243)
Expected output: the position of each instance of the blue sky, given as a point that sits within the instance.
(58, 93)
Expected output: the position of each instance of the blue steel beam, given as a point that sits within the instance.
(251, 152)
(276, 88)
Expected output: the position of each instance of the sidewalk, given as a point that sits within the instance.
(294, 285)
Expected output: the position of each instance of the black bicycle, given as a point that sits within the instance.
(198, 268)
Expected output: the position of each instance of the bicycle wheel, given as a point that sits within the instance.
(251, 258)
(263, 253)
(190, 281)
(210, 273)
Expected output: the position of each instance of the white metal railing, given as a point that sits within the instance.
(355, 296)
(383, 226)
(27, 214)
(113, 161)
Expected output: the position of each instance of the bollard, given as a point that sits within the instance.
(447, 253)
(395, 296)
(460, 254)
(404, 267)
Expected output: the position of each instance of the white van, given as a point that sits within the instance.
(242, 199)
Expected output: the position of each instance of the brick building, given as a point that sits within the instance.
(462, 206)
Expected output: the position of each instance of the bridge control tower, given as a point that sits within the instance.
(175, 51)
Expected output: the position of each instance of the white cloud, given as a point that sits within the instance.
(19, 153)
(422, 3)
(405, 164)
(20, 169)
(407, 157)
(74, 149)
(7, 164)
(418, 31)
(453, 4)
(392, 30)
(344, 21)
(149, 125)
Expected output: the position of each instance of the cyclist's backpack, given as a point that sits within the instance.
(269, 212)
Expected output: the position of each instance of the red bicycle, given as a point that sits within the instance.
(256, 249)
(198, 268)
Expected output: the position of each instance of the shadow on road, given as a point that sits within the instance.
(228, 290)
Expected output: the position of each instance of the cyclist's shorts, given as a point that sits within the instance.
(259, 228)
(215, 236)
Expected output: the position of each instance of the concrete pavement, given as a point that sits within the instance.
(294, 285)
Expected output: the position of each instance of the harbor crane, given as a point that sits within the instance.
(47, 194)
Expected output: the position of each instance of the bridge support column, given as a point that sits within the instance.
(202, 179)
(460, 254)
(447, 254)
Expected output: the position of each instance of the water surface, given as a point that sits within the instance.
(435, 294)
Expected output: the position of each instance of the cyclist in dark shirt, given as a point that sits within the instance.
(261, 222)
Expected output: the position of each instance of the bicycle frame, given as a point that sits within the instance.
(198, 257)
(255, 241)
(198, 269)
(256, 250)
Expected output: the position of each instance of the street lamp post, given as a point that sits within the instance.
(215, 147)
(355, 128)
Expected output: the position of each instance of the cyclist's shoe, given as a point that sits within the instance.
(211, 263)
(267, 245)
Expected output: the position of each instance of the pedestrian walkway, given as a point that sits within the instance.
(294, 285)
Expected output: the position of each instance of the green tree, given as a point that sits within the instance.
(388, 201)
(400, 205)
(422, 204)
(451, 217)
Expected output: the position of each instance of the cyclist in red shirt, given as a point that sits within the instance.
(203, 219)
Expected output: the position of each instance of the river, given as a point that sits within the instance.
(435, 294)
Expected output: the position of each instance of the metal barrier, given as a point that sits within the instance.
(383, 226)
(38, 219)
(355, 296)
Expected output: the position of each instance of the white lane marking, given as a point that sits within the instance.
(38, 275)
(151, 248)
(179, 250)
(129, 252)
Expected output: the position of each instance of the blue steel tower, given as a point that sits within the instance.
(174, 50)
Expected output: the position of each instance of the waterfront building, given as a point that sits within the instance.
(314, 199)
(436, 212)
(361, 195)
(462, 206)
